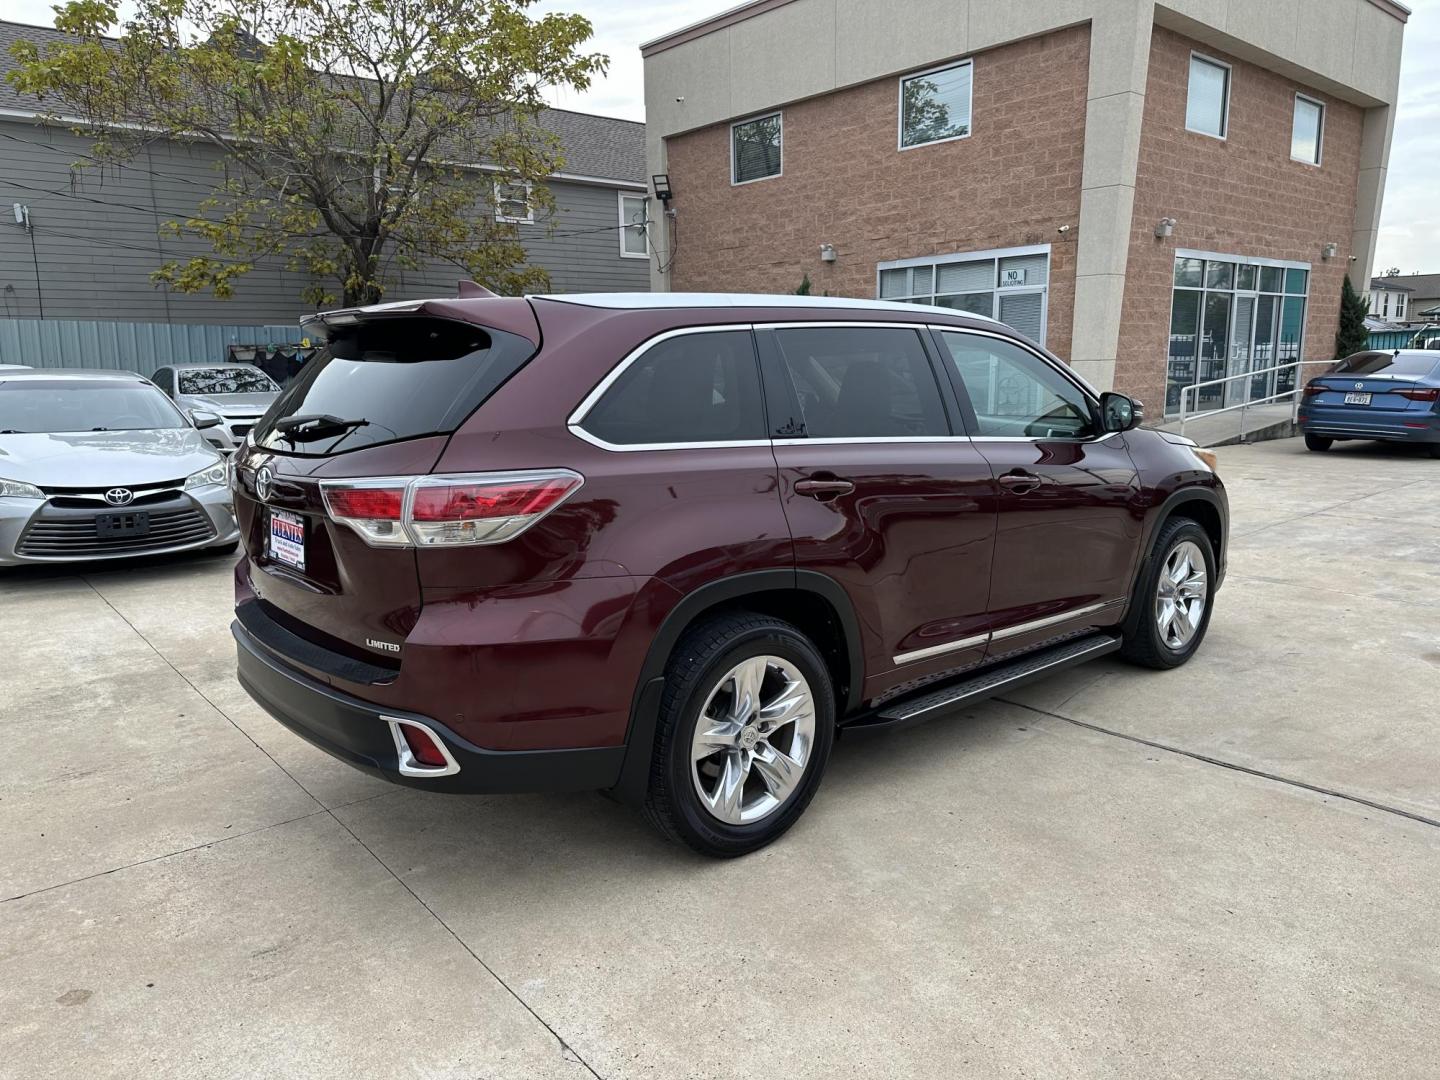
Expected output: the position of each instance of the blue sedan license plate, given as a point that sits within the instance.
(287, 539)
(1357, 399)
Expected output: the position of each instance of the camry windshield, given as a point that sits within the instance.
(226, 380)
(42, 405)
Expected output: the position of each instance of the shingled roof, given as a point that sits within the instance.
(593, 146)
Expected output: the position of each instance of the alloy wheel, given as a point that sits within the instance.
(1181, 595)
(753, 740)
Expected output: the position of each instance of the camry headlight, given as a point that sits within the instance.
(16, 490)
(214, 474)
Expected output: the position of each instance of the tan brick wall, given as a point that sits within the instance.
(1014, 182)
(1242, 196)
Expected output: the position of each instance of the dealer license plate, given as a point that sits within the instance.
(287, 539)
(1357, 399)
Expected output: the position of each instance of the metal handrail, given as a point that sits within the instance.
(1291, 393)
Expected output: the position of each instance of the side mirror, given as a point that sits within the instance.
(1120, 413)
(202, 419)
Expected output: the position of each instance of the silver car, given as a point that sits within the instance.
(100, 464)
(237, 393)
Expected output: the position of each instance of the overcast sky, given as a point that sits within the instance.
(1410, 229)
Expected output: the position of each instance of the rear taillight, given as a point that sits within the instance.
(1313, 389)
(440, 511)
(373, 508)
(1425, 393)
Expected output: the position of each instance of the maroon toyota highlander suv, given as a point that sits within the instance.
(672, 546)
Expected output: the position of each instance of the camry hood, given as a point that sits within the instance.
(227, 404)
(101, 459)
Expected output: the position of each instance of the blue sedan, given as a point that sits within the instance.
(1394, 396)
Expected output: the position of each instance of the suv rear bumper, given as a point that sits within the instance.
(359, 734)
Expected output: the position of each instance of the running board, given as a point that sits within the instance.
(987, 684)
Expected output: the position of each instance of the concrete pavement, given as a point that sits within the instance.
(1226, 870)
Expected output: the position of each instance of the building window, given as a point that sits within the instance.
(1012, 285)
(512, 203)
(755, 149)
(1385, 305)
(633, 222)
(1400, 307)
(1309, 131)
(935, 105)
(1208, 107)
(1230, 316)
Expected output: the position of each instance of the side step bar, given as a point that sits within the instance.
(931, 702)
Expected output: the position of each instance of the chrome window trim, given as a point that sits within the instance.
(1002, 634)
(575, 421)
(1090, 393)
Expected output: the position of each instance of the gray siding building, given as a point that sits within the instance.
(94, 234)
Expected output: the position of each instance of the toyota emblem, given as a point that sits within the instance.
(119, 496)
(264, 478)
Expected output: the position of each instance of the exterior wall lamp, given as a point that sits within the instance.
(661, 183)
(1165, 227)
(1329, 251)
(827, 253)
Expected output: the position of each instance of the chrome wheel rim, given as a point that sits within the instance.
(753, 740)
(1181, 595)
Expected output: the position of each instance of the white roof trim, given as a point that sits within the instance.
(745, 300)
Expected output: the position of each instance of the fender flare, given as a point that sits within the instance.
(1191, 493)
(650, 686)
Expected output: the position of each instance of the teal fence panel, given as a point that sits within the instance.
(140, 347)
(1384, 340)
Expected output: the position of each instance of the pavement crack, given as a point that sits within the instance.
(569, 1051)
(203, 696)
(1290, 781)
(167, 855)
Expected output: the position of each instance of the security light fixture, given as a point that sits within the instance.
(827, 253)
(1329, 251)
(1165, 227)
(661, 182)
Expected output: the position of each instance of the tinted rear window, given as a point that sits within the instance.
(390, 379)
(697, 387)
(226, 380)
(1384, 363)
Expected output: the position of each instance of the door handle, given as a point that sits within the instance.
(823, 489)
(1020, 482)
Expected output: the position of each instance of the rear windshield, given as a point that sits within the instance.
(54, 405)
(225, 380)
(1384, 363)
(390, 379)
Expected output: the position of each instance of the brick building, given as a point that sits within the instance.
(1162, 194)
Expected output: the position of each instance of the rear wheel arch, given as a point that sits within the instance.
(814, 603)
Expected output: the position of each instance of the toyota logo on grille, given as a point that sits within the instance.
(119, 496)
(264, 479)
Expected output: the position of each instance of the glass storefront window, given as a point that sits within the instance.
(1012, 285)
(1189, 273)
(1219, 275)
(1230, 317)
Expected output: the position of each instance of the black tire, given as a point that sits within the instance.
(1318, 443)
(1142, 641)
(701, 660)
(1434, 449)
